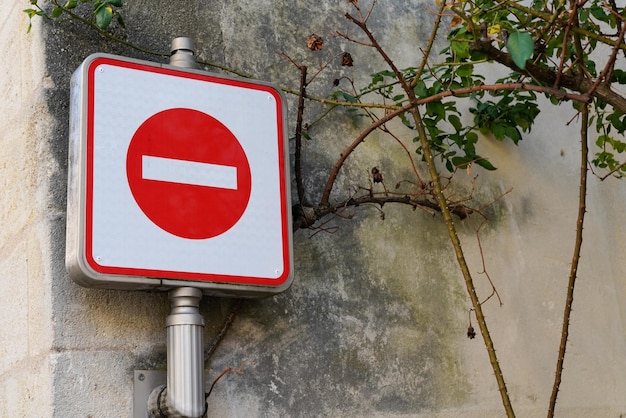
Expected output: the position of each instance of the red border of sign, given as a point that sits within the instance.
(174, 275)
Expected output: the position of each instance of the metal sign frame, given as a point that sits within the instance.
(89, 174)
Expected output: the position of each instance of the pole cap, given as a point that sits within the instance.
(182, 53)
(182, 42)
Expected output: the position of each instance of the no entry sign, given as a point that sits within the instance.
(188, 173)
(177, 178)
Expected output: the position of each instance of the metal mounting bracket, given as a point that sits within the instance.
(144, 382)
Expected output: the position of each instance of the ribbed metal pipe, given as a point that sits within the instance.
(185, 357)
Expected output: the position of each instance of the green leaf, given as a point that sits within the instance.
(591, 67)
(485, 164)
(619, 76)
(460, 49)
(347, 97)
(120, 21)
(436, 109)
(599, 13)
(117, 3)
(513, 133)
(104, 16)
(420, 89)
(521, 47)
(377, 78)
(455, 122)
(462, 162)
(499, 131)
(56, 12)
(617, 120)
(30, 12)
(465, 70)
(583, 17)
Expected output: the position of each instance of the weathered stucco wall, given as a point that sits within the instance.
(25, 214)
(375, 322)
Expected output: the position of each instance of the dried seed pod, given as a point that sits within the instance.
(346, 60)
(377, 175)
(314, 42)
(471, 334)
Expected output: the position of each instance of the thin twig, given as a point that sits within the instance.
(610, 173)
(225, 327)
(229, 369)
(607, 72)
(494, 291)
(344, 155)
(298, 139)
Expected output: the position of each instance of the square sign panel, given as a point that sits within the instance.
(177, 178)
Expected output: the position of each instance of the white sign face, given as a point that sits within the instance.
(183, 177)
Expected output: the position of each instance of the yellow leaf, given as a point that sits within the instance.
(494, 29)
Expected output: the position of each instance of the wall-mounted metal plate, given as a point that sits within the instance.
(145, 381)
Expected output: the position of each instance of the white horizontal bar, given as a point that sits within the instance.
(188, 172)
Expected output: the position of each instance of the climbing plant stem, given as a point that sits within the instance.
(458, 250)
(445, 210)
(582, 208)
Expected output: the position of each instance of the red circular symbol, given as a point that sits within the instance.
(188, 173)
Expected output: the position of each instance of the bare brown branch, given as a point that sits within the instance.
(547, 76)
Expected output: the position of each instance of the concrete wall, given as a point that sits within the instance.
(375, 322)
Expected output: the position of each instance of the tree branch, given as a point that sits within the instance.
(547, 76)
(335, 170)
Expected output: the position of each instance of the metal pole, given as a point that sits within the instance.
(185, 325)
(184, 394)
(185, 357)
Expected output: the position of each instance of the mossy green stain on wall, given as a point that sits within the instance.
(412, 259)
(356, 333)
